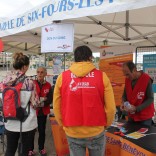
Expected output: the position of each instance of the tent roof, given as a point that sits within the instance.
(136, 27)
(8, 7)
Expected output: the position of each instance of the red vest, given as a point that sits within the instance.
(43, 93)
(83, 99)
(137, 96)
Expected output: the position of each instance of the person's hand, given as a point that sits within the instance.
(126, 106)
(126, 109)
(34, 107)
(132, 110)
(45, 98)
(42, 99)
(122, 107)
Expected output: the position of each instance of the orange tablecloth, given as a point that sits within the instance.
(60, 141)
(118, 146)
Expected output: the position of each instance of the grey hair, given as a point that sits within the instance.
(45, 69)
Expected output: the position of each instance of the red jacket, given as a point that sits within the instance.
(43, 93)
(137, 96)
(83, 99)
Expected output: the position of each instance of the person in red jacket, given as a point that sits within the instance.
(138, 93)
(45, 92)
(84, 104)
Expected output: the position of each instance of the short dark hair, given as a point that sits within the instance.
(130, 65)
(82, 53)
(20, 60)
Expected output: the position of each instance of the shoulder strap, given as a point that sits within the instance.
(21, 78)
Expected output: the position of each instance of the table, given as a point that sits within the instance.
(116, 145)
(123, 146)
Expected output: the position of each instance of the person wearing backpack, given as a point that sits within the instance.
(45, 92)
(13, 127)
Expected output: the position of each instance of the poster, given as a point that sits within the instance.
(113, 68)
(149, 67)
(111, 62)
(57, 38)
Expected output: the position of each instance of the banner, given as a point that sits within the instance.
(116, 51)
(118, 146)
(57, 38)
(111, 61)
(53, 10)
(149, 67)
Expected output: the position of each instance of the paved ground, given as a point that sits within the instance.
(49, 145)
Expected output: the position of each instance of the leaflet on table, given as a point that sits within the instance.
(117, 124)
(142, 130)
(138, 134)
(135, 135)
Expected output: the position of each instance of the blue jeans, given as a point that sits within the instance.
(95, 145)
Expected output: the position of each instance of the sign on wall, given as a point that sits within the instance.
(149, 67)
(57, 38)
(111, 61)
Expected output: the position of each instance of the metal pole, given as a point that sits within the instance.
(45, 60)
(127, 25)
(4, 62)
(64, 56)
(7, 61)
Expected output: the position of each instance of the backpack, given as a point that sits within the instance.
(12, 109)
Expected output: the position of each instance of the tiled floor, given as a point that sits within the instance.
(49, 145)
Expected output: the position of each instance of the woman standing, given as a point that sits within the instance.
(21, 65)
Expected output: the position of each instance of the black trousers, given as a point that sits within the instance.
(41, 130)
(13, 139)
(147, 122)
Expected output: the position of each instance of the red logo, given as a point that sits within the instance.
(64, 46)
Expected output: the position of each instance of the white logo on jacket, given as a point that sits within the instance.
(46, 91)
(91, 74)
(140, 95)
(74, 86)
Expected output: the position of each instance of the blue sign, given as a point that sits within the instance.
(149, 67)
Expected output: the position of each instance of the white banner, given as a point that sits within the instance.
(57, 38)
(53, 10)
(114, 51)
